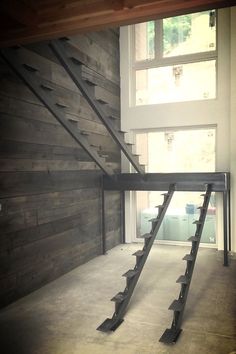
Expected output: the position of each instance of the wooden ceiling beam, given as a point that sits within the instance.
(20, 12)
(83, 9)
(70, 16)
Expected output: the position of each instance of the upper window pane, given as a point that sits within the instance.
(144, 40)
(189, 34)
(176, 83)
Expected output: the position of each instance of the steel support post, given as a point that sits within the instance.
(225, 226)
(122, 204)
(103, 240)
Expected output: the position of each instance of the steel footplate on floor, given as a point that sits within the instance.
(170, 336)
(109, 325)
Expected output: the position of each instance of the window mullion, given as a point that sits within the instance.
(169, 61)
(132, 93)
(158, 41)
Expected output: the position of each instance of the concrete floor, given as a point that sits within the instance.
(61, 318)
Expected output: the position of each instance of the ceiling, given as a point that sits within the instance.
(27, 21)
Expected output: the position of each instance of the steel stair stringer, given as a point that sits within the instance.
(171, 334)
(16, 58)
(122, 298)
(74, 70)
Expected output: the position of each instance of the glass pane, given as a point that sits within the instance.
(177, 83)
(178, 221)
(199, 156)
(144, 40)
(189, 34)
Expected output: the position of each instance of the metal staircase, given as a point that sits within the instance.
(16, 58)
(122, 298)
(45, 91)
(74, 69)
(171, 334)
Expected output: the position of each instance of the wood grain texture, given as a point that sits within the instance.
(50, 194)
(29, 22)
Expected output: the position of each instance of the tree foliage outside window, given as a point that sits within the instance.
(176, 30)
(151, 38)
(172, 58)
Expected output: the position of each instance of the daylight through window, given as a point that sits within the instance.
(174, 59)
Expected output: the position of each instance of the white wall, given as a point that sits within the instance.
(218, 112)
(233, 124)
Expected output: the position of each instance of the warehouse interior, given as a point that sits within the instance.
(70, 181)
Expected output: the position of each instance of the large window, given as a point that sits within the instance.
(179, 153)
(174, 59)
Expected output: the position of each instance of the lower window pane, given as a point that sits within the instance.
(182, 150)
(177, 83)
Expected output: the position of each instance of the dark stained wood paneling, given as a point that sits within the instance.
(15, 286)
(50, 194)
(21, 150)
(48, 200)
(113, 238)
(27, 183)
(34, 131)
(21, 238)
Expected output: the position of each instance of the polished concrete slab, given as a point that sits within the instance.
(62, 317)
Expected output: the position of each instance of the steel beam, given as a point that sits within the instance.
(184, 182)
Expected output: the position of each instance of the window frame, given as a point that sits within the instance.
(160, 61)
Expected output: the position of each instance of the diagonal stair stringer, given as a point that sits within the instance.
(44, 92)
(171, 334)
(122, 298)
(74, 69)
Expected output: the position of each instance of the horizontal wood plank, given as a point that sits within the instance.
(29, 183)
(47, 200)
(50, 215)
(21, 150)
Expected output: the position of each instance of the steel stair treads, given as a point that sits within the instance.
(120, 297)
(189, 257)
(139, 253)
(74, 69)
(176, 305)
(183, 279)
(130, 274)
(147, 236)
(193, 238)
(198, 222)
(39, 86)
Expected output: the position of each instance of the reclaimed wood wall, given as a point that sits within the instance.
(50, 193)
